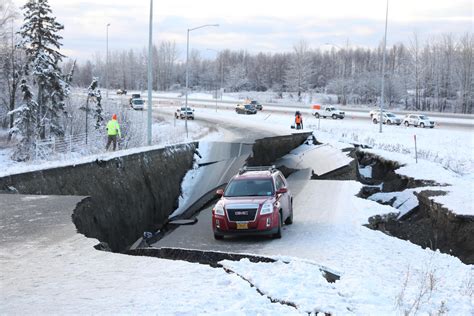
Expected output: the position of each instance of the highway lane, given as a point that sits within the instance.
(442, 120)
(200, 235)
(448, 121)
(299, 106)
(36, 219)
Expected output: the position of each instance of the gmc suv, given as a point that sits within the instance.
(257, 201)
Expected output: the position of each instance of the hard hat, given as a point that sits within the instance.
(114, 117)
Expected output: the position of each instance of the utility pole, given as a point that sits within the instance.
(150, 78)
(383, 70)
(107, 63)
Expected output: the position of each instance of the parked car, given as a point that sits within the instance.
(134, 96)
(245, 109)
(257, 201)
(257, 105)
(327, 111)
(137, 104)
(182, 113)
(373, 112)
(387, 118)
(121, 91)
(418, 120)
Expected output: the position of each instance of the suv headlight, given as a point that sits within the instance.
(267, 208)
(219, 209)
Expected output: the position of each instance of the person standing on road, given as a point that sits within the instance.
(113, 129)
(299, 120)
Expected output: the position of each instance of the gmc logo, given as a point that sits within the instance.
(241, 213)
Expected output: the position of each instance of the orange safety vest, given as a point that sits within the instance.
(298, 119)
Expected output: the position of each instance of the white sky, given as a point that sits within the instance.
(270, 26)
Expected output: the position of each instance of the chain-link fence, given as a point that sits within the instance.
(53, 147)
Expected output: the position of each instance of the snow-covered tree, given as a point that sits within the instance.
(300, 69)
(41, 42)
(25, 125)
(10, 60)
(94, 95)
(237, 78)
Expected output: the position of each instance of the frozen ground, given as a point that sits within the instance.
(380, 275)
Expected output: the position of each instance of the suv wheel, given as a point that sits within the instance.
(316, 115)
(289, 219)
(389, 122)
(334, 117)
(218, 237)
(278, 233)
(375, 121)
(422, 125)
(407, 124)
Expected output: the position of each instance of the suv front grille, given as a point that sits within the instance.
(242, 215)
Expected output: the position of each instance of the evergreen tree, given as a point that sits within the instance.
(25, 124)
(95, 96)
(40, 40)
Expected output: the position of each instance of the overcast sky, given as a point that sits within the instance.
(253, 25)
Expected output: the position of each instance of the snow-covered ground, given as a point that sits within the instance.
(379, 274)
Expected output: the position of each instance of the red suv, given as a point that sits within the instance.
(255, 202)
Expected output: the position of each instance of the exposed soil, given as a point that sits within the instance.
(430, 224)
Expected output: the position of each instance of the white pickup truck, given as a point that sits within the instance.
(327, 111)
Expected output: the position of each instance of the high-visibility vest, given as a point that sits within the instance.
(113, 128)
(298, 119)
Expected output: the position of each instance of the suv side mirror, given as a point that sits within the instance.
(282, 190)
(220, 192)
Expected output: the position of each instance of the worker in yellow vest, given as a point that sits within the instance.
(113, 129)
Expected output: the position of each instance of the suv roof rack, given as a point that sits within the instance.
(271, 168)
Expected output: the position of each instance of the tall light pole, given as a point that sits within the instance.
(107, 63)
(150, 78)
(187, 71)
(383, 70)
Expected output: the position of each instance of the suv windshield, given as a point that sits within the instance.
(249, 187)
(138, 102)
(424, 117)
(390, 115)
(248, 106)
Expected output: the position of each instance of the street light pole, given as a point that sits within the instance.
(150, 78)
(107, 63)
(383, 70)
(187, 72)
(222, 76)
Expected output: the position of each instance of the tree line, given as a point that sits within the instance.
(433, 75)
